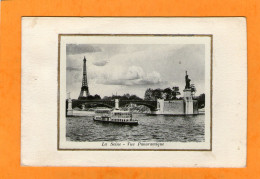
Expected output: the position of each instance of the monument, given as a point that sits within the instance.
(188, 96)
(84, 93)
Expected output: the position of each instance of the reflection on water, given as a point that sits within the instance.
(151, 128)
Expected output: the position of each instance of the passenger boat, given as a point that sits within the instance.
(115, 116)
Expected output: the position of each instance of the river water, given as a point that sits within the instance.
(151, 128)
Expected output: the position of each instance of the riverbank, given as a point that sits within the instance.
(80, 113)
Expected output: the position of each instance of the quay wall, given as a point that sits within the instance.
(80, 113)
(174, 107)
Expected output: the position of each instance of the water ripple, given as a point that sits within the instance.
(151, 128)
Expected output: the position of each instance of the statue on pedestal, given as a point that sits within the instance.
(187, 80)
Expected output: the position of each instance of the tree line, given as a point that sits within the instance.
(167, 93)
(172, 94)
(201, 100)
(152, 95)
(109, 98)
(122, 97)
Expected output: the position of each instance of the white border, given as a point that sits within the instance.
(39, 91)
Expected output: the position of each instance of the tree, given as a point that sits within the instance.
(157, 93)
(175, 92)
(97, 96)
(201, 101)
(167, 93)
(148, 95)
(106, 98)
(193, 89)
(134, 97)
(127, 96)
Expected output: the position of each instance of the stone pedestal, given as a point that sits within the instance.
(159, 108)
(70, 110)
(83, 107)
(188, 101)
(160, 105)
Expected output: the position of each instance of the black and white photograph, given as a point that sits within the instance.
(136, 95)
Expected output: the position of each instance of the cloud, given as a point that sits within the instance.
(100, 63)
(133, 76)
(134, 73)
(81, 48)
(73, 69)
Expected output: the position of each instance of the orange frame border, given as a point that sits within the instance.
(10, 81)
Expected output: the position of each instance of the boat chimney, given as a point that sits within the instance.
(116, 104)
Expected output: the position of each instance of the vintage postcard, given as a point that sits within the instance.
(135, 92)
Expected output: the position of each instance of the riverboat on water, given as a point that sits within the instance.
(115, 116)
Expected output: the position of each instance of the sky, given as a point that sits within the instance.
(132, 68)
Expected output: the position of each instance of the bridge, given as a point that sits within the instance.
(111, 103)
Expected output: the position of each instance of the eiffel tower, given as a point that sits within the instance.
(84, 93)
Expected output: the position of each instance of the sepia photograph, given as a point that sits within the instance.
(153, 92)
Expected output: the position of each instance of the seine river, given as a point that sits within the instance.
(151, 128)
